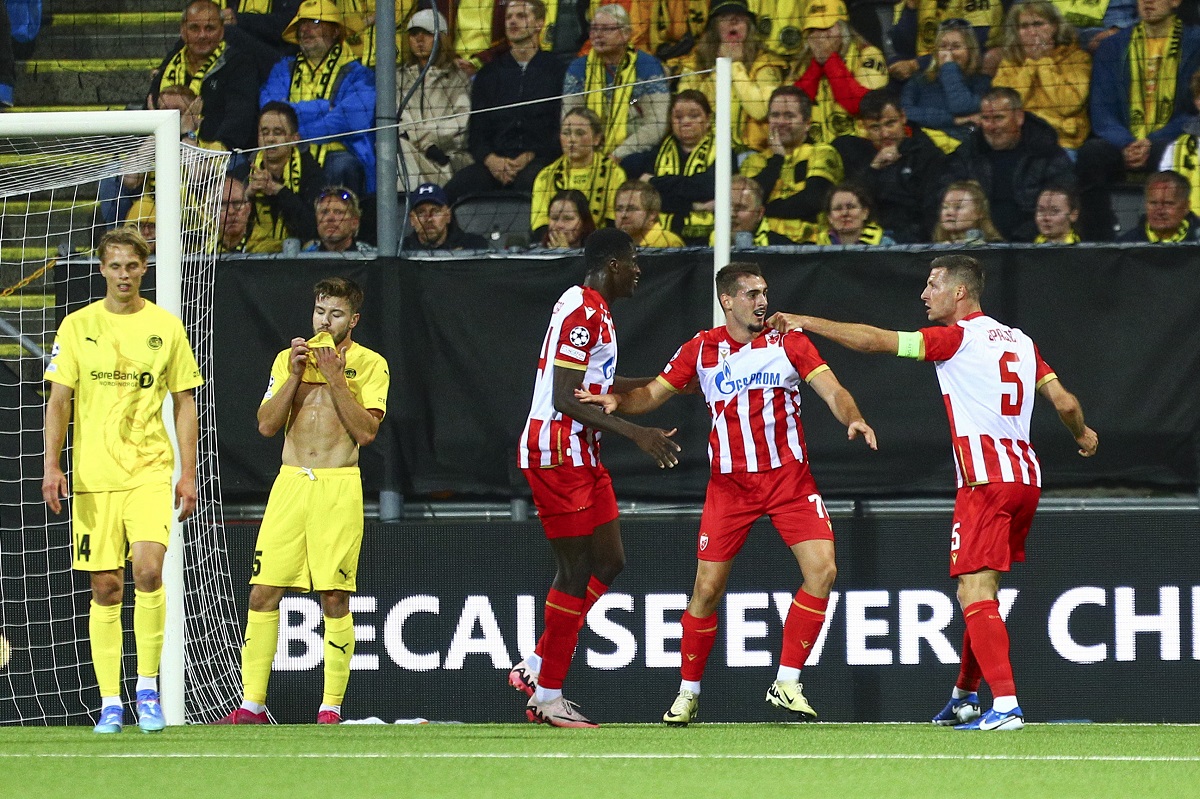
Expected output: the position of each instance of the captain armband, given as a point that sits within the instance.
(909, 345)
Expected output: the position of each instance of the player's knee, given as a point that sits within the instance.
(107, 589)
(147, 576)
(819, 581)
(335, 604)
(265, 598)
(607, 571)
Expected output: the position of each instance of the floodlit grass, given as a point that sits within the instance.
(755, 761)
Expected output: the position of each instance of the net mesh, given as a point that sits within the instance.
(49, 190)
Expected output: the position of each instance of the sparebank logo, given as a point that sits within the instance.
(727, 383)
(118, 377)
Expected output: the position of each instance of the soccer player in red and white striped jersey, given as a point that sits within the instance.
(559, 454)
(988, 373)
(751, 380)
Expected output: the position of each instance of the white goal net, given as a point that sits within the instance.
(53, 192)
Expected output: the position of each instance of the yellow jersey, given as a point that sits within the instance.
(366, 375)
(121, 367)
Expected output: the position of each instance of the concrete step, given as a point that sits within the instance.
(26, 301)
(92, 82)
(113, 6)
(34, 253)
(32, 109)
(47, 224)
(130, 35)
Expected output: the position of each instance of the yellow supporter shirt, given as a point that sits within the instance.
(366, 375)
(658, 237)
(598, 182)
(806, 161)
(121, 367)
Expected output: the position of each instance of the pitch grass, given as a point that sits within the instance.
(750, 761)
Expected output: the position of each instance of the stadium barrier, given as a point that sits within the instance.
(462, 337)
(1104, 619)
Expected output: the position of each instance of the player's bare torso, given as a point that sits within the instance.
(316, 437)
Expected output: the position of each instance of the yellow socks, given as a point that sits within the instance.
(104, 631)
(258, 652)
(339, 648)
(149, 621)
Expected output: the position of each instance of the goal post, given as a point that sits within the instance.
(69, 153)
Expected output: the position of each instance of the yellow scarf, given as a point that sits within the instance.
(1145, 120)
(1179, 235)
(599, 176)
(760, 235)
(871, 234)
(1072, 238)
(611, 105)
(270, 230)
(1083, 13)
(1184, 160)
(319, 83)
(175, 72)
(696, 224)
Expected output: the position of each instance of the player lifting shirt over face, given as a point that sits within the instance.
(330, 393)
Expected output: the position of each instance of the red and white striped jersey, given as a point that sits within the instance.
(989, 373)
(581, 336)
(753, 395)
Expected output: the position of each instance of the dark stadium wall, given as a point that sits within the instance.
(1103, 618)
(462, 337)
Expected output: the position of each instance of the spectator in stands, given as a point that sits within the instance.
(851, 219)
(946, 95)
(636, 212)
(1181, 154)
(1139, 103)
(264, 20)
(432, 223)
(1043, 62)
(673, 27)
(902, 169)
(332, 92)
(795, 176)
(222, 75)
(570, 221)
(782, 25)
(8, 73)
(916, 32)
(681, 169)
(1096, 22)
(582, 166)
(338, 219)
(283, 182)
(1168, 218)
(236, 223)
(748, 217)
(141, 216)
(835, 69)
(1013, 156)
(511, 145)
(433, 123)
(635, 110)
(731, 32)
(965, 218)
(1057, 212)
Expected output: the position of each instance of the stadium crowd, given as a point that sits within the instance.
(855, 121)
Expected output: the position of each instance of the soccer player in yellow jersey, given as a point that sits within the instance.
(330, 393)
(114, 361)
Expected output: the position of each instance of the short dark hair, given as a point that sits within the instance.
(1006, 93)
(787, 90)
(342, 287)
(1065, 189)
(875, 101)
(728, 276)
(283, 109)
(124, 236)
(691, 96)
(604, 245)
(963, 270)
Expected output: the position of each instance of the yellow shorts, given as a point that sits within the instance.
(105, 523)
(311, 531)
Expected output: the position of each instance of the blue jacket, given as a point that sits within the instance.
(935, 104)
(1109, 102)
(353, 108)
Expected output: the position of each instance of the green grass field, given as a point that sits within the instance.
(755, 761)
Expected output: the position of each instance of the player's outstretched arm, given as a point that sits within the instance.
(58, 415)
(654, 441)
(1071, 413)
(844, 408)
(862, 338)
(187, 433)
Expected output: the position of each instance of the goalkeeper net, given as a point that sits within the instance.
(51, 188)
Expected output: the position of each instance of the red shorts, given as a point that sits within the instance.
(733, 502)
(572, 500)
(991, 522)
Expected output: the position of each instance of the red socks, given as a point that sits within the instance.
(969, 672)
(800, 631)
(699, 635)
(595, 590)
(989, 642)
(563, 618)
